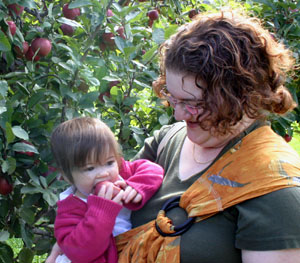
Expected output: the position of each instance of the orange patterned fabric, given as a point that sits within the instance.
(258, 164)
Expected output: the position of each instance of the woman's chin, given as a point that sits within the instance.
(198, 136)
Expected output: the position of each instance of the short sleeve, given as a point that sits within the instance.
(270, 222)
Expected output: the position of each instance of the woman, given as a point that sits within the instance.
(236, 179)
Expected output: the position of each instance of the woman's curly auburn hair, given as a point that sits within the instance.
(242, 64)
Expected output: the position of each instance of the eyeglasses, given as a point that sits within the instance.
(193, 110)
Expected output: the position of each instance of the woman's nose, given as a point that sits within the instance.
(180, 113)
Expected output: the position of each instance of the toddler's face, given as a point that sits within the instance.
(86, 177)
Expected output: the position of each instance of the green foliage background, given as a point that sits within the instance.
(81, 77)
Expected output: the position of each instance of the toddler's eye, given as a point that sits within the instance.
(90, 168)
(110, 162)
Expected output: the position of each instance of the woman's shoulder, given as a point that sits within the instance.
(270, 222)
(154, 144)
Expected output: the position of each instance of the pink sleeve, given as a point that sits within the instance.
(144, 176)
(84, 230)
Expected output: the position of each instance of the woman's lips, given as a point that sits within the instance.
(192, 125)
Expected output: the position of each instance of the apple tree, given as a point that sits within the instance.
(63, 59)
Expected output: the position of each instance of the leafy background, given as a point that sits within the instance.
(87, 75)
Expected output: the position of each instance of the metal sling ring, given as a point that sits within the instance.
(180, 229)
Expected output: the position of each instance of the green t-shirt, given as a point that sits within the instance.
(269, 222)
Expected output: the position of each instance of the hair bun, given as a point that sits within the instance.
(283, 102)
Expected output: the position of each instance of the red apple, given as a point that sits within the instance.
(287, 138)
(153, 14)
(102, 46)
(67, 29)
(29, 143)
(5, 187)
(70, 13)
(116, 189)
(106, 93)
(18, 9)
(113, 83)
(108, 38)
(120, 31)
(51, 170)
(109, 13)
(192, 13)
(43, 44)
(12, 27)
(29, 55)
(83, 86)
(20, 52)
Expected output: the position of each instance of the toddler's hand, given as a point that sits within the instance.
(131, 195)
(109, 191)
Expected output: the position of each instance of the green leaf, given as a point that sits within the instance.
(158, 36)
(111, 78)
(43, 245)
(2, 109)
(79, 3)
(27, 236)
(164, 119)
(29, 189)
(31, 199)
(50, 197)
(9, 165)
(120, 43)
(3, 88)
(141, 84)
(73, 23)
(4, 42)
(30, 4)
(9, 58)
(94, 81)
(126, 132)
(24, 147)
(26, 255)
(137, 130)
(14, 74)
(36, 98)
(6, 253)
(4, 235)
(66, 66)
(87, 101)
(4, 208)
(132, 15)
(33, 177)
(28, 215)
(58, 184)
(43, 181)
(20, 132)
(172, 29)
(9, 133)
(149, 54)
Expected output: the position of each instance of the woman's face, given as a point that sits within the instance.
(184, 92)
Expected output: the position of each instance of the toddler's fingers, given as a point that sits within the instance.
(138, 198)
(121, 184)
(109, 192)
(119, 197)
(102, 191)
(127, 191)
(130, 196)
